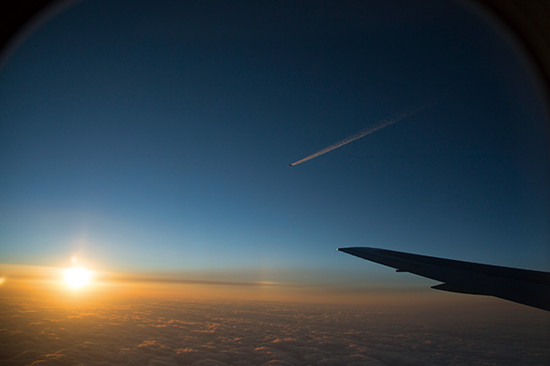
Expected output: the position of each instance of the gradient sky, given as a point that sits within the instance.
(156, 136)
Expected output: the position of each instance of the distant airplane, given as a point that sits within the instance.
(523, 286)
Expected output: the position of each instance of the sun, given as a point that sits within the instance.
(77, 277)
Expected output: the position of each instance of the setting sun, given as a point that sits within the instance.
(77, 277)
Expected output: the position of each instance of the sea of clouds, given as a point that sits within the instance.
(145, 332)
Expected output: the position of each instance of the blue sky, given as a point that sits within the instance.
(152, 136)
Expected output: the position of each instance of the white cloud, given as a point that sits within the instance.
(262, 333)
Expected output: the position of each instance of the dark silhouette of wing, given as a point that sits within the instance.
(519, 285)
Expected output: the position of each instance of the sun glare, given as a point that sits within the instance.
(77, 277)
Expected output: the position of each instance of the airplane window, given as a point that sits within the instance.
(177, 176)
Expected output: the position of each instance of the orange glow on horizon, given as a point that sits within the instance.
(59, 284)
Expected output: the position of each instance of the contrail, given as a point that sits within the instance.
(360, 134)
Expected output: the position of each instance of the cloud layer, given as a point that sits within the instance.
(146, 332)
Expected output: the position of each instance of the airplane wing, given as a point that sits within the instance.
(526, 287)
